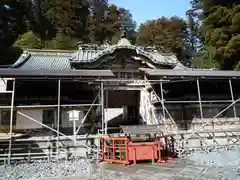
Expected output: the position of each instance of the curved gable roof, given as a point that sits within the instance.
(90, 56)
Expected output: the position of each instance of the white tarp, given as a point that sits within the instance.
(3, 84)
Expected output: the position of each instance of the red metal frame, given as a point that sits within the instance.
(117, 152)
(122, 150)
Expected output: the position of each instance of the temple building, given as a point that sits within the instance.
(123, 59)
(99, 88)
(125, 94)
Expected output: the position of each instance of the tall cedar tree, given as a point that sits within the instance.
(63, 14)
(103, 27)
(222, 28)
(194, 16)
(48, 19)
(39, 24)
(195, 39)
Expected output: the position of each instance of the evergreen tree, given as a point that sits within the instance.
(39, 24)
(168, 35)
(12, 21)
(222, 28)
(12, 24)
(104, 27)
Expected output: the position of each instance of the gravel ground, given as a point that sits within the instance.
(220, 165)
(43, 169)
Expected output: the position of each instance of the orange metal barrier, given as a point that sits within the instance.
(144, 151)
(115, 150)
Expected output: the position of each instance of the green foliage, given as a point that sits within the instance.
(222, 28)
(12, 24)
(10, 55)
(28, 40)
(63, 15)
(38, 22)
(12, 21)
(195, 17)
(202, 61)
(103, 27)
(209, 38)
(63, 41)
(77, 20)
(168, 35)
(31, 41)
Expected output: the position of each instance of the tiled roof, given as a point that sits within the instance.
(85, 56)
(62, 60)
(39, 61)
(157, 57)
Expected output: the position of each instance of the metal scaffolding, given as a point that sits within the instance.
(181, 137)
(56, 128)
(11, 122)
(199, 133)
(58, 115)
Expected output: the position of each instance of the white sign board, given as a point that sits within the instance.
(73, 115)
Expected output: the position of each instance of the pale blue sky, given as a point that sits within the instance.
(143, 10)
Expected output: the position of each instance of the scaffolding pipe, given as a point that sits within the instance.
(11, 122)
(79, 127)
(58, 116)
(105, 118)
(129, 80)
(162, 102)
(102, 108)
(74, 132)
(200, 107)
(199, 98)
(203, 101)
(232, 96)
(6, 92)
(47, 106)
(204, 124)
(233, 103)
(60, 133)
(176, 81)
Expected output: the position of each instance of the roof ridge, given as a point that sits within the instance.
(52, 53)
(49, 50)
(92, 55)
(22, 59)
